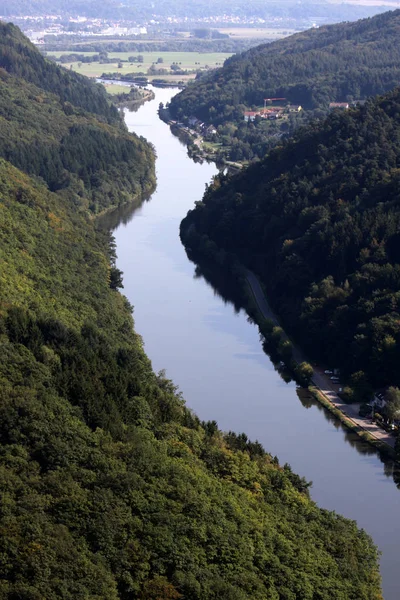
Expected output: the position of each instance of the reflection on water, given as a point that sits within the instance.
(225, 287)
(121, 215)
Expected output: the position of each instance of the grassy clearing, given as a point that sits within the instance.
(114, 88)
(212, 146)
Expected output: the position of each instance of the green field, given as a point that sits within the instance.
(114, 88)
(256, 33)
(188, 61)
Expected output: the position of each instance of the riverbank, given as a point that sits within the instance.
(321, 389)
(134, 201)
(139, 97)
(386, 448)
(288, 357)
(198, 147)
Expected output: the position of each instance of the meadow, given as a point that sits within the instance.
(258, 34)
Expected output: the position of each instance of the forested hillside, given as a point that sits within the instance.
(111, 488)
(20, 57)
(333, 63)
(319, 221)
(46, 130)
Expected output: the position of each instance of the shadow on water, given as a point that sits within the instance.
(226, 288)
(123, 214)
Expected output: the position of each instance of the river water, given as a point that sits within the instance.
(213, 353)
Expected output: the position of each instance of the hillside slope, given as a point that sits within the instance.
(319, 221)
(111, 488)
(46, 130)
(312, 68)
(21, 58)
(333, 63)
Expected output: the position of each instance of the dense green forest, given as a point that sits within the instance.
(319, 220)
(111, 488)
(62, 128)
(20, 58)
(344, 62)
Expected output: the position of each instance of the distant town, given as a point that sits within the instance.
(38, 28)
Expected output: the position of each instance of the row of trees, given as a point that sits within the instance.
(171, 44)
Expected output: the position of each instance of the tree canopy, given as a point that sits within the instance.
(319, 219)
(332, 63)
(63, 129)
(111, 487)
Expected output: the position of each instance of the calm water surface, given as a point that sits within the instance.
(214, 354)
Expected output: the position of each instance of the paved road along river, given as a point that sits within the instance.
(215, 356)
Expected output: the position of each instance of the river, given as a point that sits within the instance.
(213, 353)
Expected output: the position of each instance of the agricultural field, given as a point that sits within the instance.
(187, 61)
(115, 88)
(256, 33)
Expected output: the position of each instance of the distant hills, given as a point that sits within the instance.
(319, 221)
(194, 9)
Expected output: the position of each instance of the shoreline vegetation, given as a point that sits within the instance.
(193, 141)
(383, 447)
(346, 301)
(134, 201)
(132, 99)
(285, 355)
(198, 150)
(283, 247)
(195, 152)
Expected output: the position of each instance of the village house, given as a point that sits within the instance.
(341, 105)
(294, 108)
(210, 130)
(271, 113)
(250, 115)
